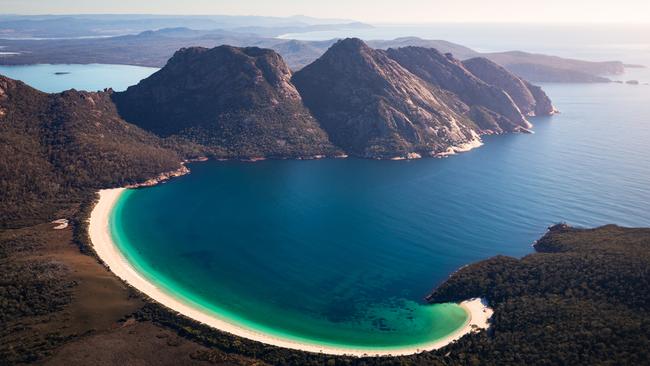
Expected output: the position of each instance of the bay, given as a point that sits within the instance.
(342, 252)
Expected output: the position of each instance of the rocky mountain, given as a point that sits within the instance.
(489, 106)
(239, 102)
(230, 102)
(371, 106)
(408, 101)
(531, 99)
(54, 145)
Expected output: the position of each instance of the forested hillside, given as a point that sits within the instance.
(582, 299)
(54, 147)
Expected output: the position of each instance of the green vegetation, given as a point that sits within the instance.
(30, 289)
(581, 300)
(55, 148)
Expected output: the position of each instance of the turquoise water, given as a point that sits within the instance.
(90, 77)
(342, 252)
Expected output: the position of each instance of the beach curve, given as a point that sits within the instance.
(102, 242)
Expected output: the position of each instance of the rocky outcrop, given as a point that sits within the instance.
(543, 104)
(371, 106)
(238, 101)
(531, 99)
(492, 109)
(162, 177)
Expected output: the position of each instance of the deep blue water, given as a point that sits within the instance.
(343, 251)
(321, 250)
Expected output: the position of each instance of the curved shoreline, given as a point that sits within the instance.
(107, 251)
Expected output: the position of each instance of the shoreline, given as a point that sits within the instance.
(100, 236)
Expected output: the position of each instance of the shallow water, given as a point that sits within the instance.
(342, 252)
(90, 77)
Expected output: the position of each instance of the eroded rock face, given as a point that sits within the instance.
(531, 99)
(492, 109)
(543, 104)
(238, 100)
(371, 106)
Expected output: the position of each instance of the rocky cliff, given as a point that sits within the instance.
(531, 99)
(490, 107)
(238, 101)
(371, 106)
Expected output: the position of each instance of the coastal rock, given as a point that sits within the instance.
(371, 106)
(239, 101)
(163, 177)
(531, 99)
(60, 224)
(490, 107)
(543, 104)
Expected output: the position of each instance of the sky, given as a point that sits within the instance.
(373, 11)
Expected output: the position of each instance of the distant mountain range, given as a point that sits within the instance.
(90, 25)
(154, 48)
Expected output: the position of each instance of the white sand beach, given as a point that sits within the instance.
(100, 235)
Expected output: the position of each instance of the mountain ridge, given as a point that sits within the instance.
(245, 103)
(371, 106)
(449, 73)
(237, 101)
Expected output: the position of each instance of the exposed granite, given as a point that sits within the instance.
(239, 101)
(371, 106)
(483, 98)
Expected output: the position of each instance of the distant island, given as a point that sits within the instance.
(154, 48)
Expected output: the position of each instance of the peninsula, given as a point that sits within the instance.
(569, 302)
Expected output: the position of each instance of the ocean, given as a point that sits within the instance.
(343, 252)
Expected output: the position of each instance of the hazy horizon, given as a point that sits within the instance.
(381, 11)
